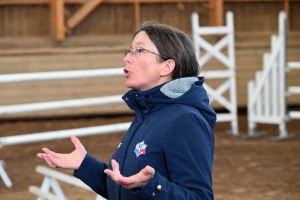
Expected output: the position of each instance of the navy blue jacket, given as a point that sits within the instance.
(173, 133)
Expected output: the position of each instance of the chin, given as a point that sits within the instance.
(131, 86)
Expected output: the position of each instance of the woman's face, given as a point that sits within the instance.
(143, 70)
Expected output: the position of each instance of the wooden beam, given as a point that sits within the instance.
(216, 13)
(286, 8)
(219, 12)
(25, 2)
(20, 2)
(140, 1)
(87, 7)
(16, 2)
(137, 13)
(57, 19)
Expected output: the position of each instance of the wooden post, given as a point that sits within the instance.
(57, 19)
(137, 13)
(286, 8)
(216, 13)
(86, 8)
(219, 12)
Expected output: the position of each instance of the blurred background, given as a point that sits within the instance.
(70, 35)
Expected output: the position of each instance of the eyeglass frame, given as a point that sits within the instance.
(141, 50)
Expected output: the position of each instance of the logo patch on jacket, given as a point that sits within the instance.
(140, 148)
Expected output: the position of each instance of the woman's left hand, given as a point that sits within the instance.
(138, 180)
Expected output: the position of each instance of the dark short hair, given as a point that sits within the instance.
(174, 44)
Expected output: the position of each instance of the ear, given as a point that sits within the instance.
(167, 68)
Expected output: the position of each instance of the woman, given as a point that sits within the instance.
(167, 153)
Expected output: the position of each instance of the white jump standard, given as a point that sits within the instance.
(267, 95)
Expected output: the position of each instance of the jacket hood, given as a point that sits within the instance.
(187, 91)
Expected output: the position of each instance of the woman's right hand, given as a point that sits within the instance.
(67, 161)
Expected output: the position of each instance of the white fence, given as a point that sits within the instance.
(53, 135)
(267, 95)
(228, 61)
(51, 178)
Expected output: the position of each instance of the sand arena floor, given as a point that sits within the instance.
(252, 169)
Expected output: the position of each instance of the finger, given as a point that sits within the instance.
(115, 166)
(52, 153)
(39, 155)
(48, 151)
(115, 172)
(48, 160)
(109, 173)
(117, 177)
(140, 179)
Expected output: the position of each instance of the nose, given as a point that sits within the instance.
(128, 59)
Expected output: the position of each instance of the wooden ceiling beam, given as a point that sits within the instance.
(57, 26)
(219, 12)
(24, 2)
(86, 8)
(216, 10)
(216, 13)
(139, 1)
(20, 2)
(286, 8)
(137, 13)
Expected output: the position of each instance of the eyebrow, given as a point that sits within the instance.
(137, 44)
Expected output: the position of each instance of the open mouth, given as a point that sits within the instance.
(126, 72)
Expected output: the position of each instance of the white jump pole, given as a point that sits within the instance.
(54, 135)
(294, 65)
(294, 114)
(32, 107)
(41, 76)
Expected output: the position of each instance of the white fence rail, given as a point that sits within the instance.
(228, 61)
(267, 101)
(75, 103)
(55, 135)
(33, 107)
(42, 76)
(51, 182)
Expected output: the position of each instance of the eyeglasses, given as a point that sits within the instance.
(137, 51)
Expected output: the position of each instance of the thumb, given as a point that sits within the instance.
(148, 171)
(76, 142)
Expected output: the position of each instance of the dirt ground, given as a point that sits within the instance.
(250, 169)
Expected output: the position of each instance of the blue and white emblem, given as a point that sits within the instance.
(140, 148)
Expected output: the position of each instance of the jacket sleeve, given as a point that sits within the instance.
(91, 172)
(189, 149)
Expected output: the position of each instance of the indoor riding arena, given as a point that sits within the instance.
(61, 74)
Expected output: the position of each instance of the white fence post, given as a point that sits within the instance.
(4, 176)
(270, 83)
(228, 61)
(51, 182)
